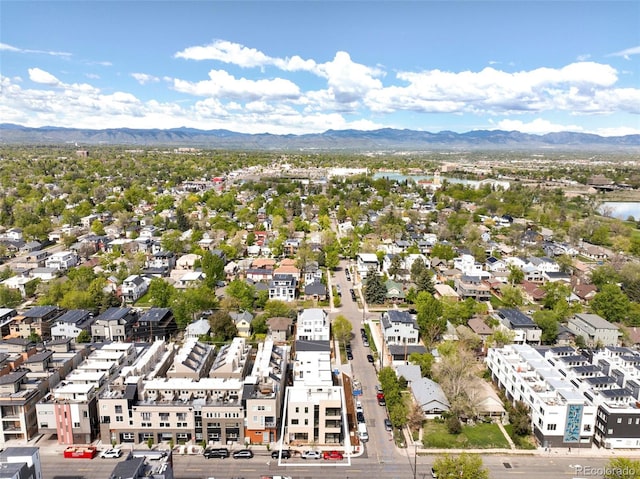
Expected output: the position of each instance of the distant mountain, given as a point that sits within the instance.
(386, 139)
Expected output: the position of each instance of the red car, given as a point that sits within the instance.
(379, 396)
(332, 455)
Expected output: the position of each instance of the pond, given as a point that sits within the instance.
(620, 209)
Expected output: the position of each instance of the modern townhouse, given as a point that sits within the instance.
(366, 262)
(133, 288)
(561, 415)
(283, 287)
(115, 324)
(62, 260)
(472, 287)
(313, 325)
(71, 323)
(264, 391)
(155, 323)
(232, 361)
(525, 330)
(192, 361)
(38, 320)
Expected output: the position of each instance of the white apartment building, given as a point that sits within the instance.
(561, 416)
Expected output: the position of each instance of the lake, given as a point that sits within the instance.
(621, 209)
(393, 175)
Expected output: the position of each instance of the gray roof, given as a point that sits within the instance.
(306, 345)
(74, 316)
(114, 313)
(596, 321)
(39, 311)
(427, 393)
(315, 288)
(155, 315)
(516, 318)
(129, 469)
(396, 316)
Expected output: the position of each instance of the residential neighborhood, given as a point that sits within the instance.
(220, 316)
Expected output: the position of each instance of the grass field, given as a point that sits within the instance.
(480, 436)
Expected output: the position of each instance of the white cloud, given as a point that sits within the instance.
(11, 48)
(40, 76)
(92, 76)
(144, 78)
(626, 53)
(536, 127)
(349, 81)
(223, 85)
(226, 52)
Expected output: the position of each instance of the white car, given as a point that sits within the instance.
(310, 455)
(359, 407)
(111, 453)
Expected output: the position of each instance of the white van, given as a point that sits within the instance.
(362, 432)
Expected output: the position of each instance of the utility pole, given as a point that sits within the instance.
(415, 460)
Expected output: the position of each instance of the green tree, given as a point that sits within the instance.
(222, 326)
(10, 298)
(548, 323)
(213, 268)
(443, 251)
(375, 291)
(611, 303)
(516, 275)
(424, 360)
(83, 337)
(512, 296)
(622, 468)
(464, 466)
(341, 328)
(259, 325)
(34, 337)
(243, 292)
(554, 293)
(97, 228)
(395, 266)
(160, 293)
(275, 308)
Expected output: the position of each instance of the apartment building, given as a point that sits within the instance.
(232, 361)
(193, 360)
(315, 405)
(36, 320)
(21, 463)
(155, 323)
(595, 330)
(561, 415)
(264, 391)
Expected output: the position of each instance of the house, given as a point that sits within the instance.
(532, 292)
(286, 268)
(312, 325)
(469, 266)
(283, 287)
(395, 294)
(472, 287)
(594, 329)
(443, 291)
(19, 283)
(242, 320)
(259, 274)
(399, 327)
(525, 329)
(71, 324)
(427, 393)
(115, 324)
(585, 292)
(155, 323)
(478, 326)
(160, 263)
(191, 278)
(315, 291)
(311, 272)
(494, 264)
(197, 328)
(280, 328)
(187, 261)
(133, 288)
(38, 320)
(43, 274)
(366, 262)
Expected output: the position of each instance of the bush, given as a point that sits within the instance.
(453, 425)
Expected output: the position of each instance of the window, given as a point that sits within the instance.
(44, 424)
(297, 409)
(118, 409)
(619, 420)
(294, 422)
(146, 416)
(182, 416)
(306, 410)
(119, 419)
(551, 427)
(164, 416)
(85, 414)
(76, 424)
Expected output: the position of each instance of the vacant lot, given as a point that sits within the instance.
(482, 436)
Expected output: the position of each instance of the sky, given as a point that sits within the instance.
(303, 66)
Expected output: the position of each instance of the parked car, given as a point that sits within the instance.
(339, 290)
(332, 455)
(310, 455)
(380, 396)
(349, 355)
(111, 453)
(434, 474)
(363, 332)
(381, 401)
(378, 388)
(387, 425)
(360, 416)
(285, 454)
(359, 407)
(215, 452)
(369, 358)
(365, 343)
(243, 454)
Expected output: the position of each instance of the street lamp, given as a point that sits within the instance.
(415, 460)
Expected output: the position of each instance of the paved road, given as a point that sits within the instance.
(54, 466)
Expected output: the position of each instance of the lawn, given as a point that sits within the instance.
(480, 436)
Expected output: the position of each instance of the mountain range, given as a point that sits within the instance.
(386, 139)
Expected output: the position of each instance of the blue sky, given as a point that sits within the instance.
(309, 66)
